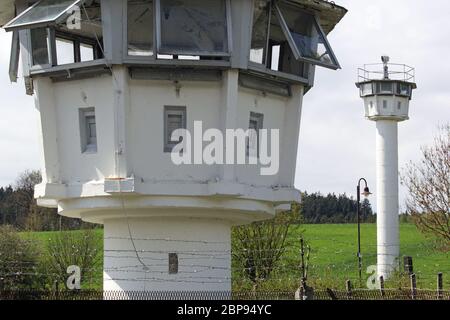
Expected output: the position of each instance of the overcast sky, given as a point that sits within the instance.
(337, 144)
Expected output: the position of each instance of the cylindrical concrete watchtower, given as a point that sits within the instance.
(114, 80)
(387, 90)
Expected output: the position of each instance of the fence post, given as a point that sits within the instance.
(382, 286)
(56, 290)
(303, 280)
(348, 285)
(440, 286)
(408, 265)
(413, 286)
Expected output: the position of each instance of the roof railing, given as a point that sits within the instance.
(375, 71)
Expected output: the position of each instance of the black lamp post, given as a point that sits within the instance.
(366, 193)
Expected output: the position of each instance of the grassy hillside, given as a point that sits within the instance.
(333, 257)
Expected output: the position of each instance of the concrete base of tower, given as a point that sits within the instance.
(167, 254)
(167, 244)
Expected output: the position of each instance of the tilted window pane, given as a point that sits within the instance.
(39, 46)
(307, 36)
(140, 27)
(280, 55)
(194, 27)
(260, 31)
(45, 11)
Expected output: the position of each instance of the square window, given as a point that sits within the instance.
(174, 118)
(86, 52)
(193, 27)
(88, 130)
(386, 87)
(65, 51)
(140, 27)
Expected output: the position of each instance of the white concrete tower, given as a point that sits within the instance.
(113, 79)
(387, 90)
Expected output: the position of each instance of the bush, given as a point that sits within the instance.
(19, 268)
(73, 249)
(257, 249)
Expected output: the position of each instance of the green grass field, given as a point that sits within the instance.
(333, 257)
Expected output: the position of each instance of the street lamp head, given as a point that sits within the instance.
(366, 192)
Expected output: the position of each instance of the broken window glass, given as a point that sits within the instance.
(39, 46)
(43, 13)
(307, 39)
(194, 27)
(260, 31)
(140, 27)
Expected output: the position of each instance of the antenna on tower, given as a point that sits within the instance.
(385, 60)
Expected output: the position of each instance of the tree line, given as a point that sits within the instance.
(316, 208)
(19, 209)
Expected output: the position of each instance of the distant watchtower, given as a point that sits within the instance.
(114, 79)
(387, 90)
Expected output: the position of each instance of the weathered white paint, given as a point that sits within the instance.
(131, 181)
(387, 111)
(388, 242)
(203, 254)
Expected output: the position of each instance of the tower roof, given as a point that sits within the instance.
(329, 13)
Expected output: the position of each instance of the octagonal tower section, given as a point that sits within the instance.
(114, 79)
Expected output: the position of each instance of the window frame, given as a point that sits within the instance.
(304, 78)
(52, 34)
(51, 50)
(259, 117)
(228, 19)
(294, 48)
(86, 147)
(169, 145)
(125, 36)
(40, 23)
(266, 48)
